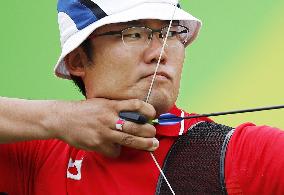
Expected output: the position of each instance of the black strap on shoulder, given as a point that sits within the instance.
(222, 159)
(195, 163)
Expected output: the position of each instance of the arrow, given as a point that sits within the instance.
(171, 119)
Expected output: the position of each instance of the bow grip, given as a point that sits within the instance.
(133, 117)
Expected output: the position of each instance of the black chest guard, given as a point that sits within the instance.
(195, 163)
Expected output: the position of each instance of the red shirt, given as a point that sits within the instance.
(255, 161)
(53, 167)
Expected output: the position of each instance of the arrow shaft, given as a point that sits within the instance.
(226, 113)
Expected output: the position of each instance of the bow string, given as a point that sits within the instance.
(151, 88)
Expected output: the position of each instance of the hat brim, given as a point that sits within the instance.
(160, 11)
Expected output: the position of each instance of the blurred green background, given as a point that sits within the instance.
(237, 62)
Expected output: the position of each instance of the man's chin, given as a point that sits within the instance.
(161, 104)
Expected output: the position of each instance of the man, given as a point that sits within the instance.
(111, 49)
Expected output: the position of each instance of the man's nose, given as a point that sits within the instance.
(153, 51)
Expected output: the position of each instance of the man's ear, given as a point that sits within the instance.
(76, 62)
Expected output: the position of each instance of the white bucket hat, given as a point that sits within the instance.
(77, 19)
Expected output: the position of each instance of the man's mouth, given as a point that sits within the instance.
(159, 76)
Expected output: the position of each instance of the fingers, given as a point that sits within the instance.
(132, 141)
(137, 106)
(135, 135)
(145, 130)
(98, 131)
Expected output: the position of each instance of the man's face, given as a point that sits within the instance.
(125, 72)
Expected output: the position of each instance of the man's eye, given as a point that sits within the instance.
(133, 36)
(173, 33)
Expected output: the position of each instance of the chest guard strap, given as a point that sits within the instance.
(195, 163)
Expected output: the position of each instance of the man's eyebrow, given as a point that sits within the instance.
(139, 22)
(132, 23)
(127, 24)
(176, 21)
(142, 23)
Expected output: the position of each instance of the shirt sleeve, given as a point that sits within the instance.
(255, 161)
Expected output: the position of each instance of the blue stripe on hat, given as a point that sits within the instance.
(83, 13)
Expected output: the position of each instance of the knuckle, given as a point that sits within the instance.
(146, 144)
(114, 105)
(153, 112)
(152, 131)
(137, 104)
(93, 143)
(99, 119)
(148, 131)
(127, 140)
(132, 129)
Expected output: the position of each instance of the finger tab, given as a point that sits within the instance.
(133, 117)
